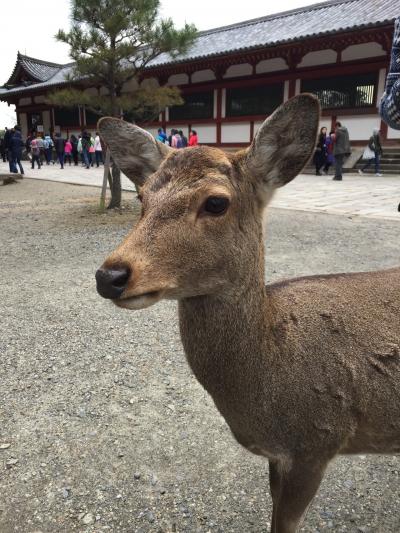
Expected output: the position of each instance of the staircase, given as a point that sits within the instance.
(390, 162)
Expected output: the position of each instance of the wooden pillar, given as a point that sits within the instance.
(292, 87)
(219, 115)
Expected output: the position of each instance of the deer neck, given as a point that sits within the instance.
(224, 335)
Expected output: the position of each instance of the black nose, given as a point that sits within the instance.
(111, 282)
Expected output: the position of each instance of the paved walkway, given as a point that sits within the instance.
(355, 195)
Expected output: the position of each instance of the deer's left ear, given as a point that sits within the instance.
(284, 142)
(135, 150)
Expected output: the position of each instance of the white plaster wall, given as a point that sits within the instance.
(362, 51)
(25, 101)
(320, 57)
(203, 75)
(325, 122)
(207, 133)
(381, 85)
(360, 127)
(297, 88)
(235, 71)
(393, 134)
(271, 65)
(235, 133)
(129, 86)
(41, 99)
(46, 121)
(149, 83)
(286, 91)
(23, 122)
(152, 131)
(223, 103)
(178, 79)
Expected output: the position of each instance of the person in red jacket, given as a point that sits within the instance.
(193, 139)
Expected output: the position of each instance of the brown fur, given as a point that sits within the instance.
(301, 370)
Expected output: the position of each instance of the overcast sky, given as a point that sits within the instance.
(30, 27)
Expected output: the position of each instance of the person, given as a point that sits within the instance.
(92, 151)
(320, 153)
(329, 143)
(16, 145)
(176, 141)
(42, 153)
(85, 144)
(98, 150)
(193, 139)
(341, 150)
(74, 142)
(68, 152)
(35, 151)
(48, 148)
(374, 148)
(389, 106)
(59, 144)
(171, 136)
(2, 150)
(184, 139)
(7, 139)
(161, 135)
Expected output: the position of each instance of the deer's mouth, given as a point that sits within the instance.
(139, 301)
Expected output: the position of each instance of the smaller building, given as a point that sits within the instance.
(234, 76)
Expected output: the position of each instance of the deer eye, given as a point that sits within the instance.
(215, 205)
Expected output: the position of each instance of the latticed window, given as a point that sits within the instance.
(197, 105)
(343, 91)
(259, 100)
(66, 116)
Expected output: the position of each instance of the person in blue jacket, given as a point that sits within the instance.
(390, 101)
(389, 107)
(16, 145)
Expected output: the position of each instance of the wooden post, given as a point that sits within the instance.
(105, 178)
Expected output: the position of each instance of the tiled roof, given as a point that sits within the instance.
(320, 19)
(310, 21)
(36, 69)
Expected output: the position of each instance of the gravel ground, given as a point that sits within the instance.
(102, 425)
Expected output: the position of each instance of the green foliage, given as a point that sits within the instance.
(111, 42)
(143, 105)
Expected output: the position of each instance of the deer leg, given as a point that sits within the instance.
(298, 487)
(275, 488)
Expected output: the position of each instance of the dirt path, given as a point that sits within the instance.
(107, 428)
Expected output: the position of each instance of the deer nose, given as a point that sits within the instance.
(111, 282)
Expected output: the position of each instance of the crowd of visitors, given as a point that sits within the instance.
(177, 139)
(83, 149)
(333, 149)
(47, 149)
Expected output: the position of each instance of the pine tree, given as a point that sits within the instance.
(112, 42)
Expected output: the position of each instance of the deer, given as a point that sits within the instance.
(302, 370)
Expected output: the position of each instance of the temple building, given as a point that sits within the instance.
(234, 76)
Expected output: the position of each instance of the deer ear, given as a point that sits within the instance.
(134, 150)
(284, 142)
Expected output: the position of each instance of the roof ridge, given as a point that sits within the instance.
(282, 14)
(39, 61)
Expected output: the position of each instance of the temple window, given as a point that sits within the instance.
(342, 92)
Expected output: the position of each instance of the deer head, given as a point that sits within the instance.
(201, 226)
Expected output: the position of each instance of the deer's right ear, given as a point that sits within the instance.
(284, 143)
(134, 149)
